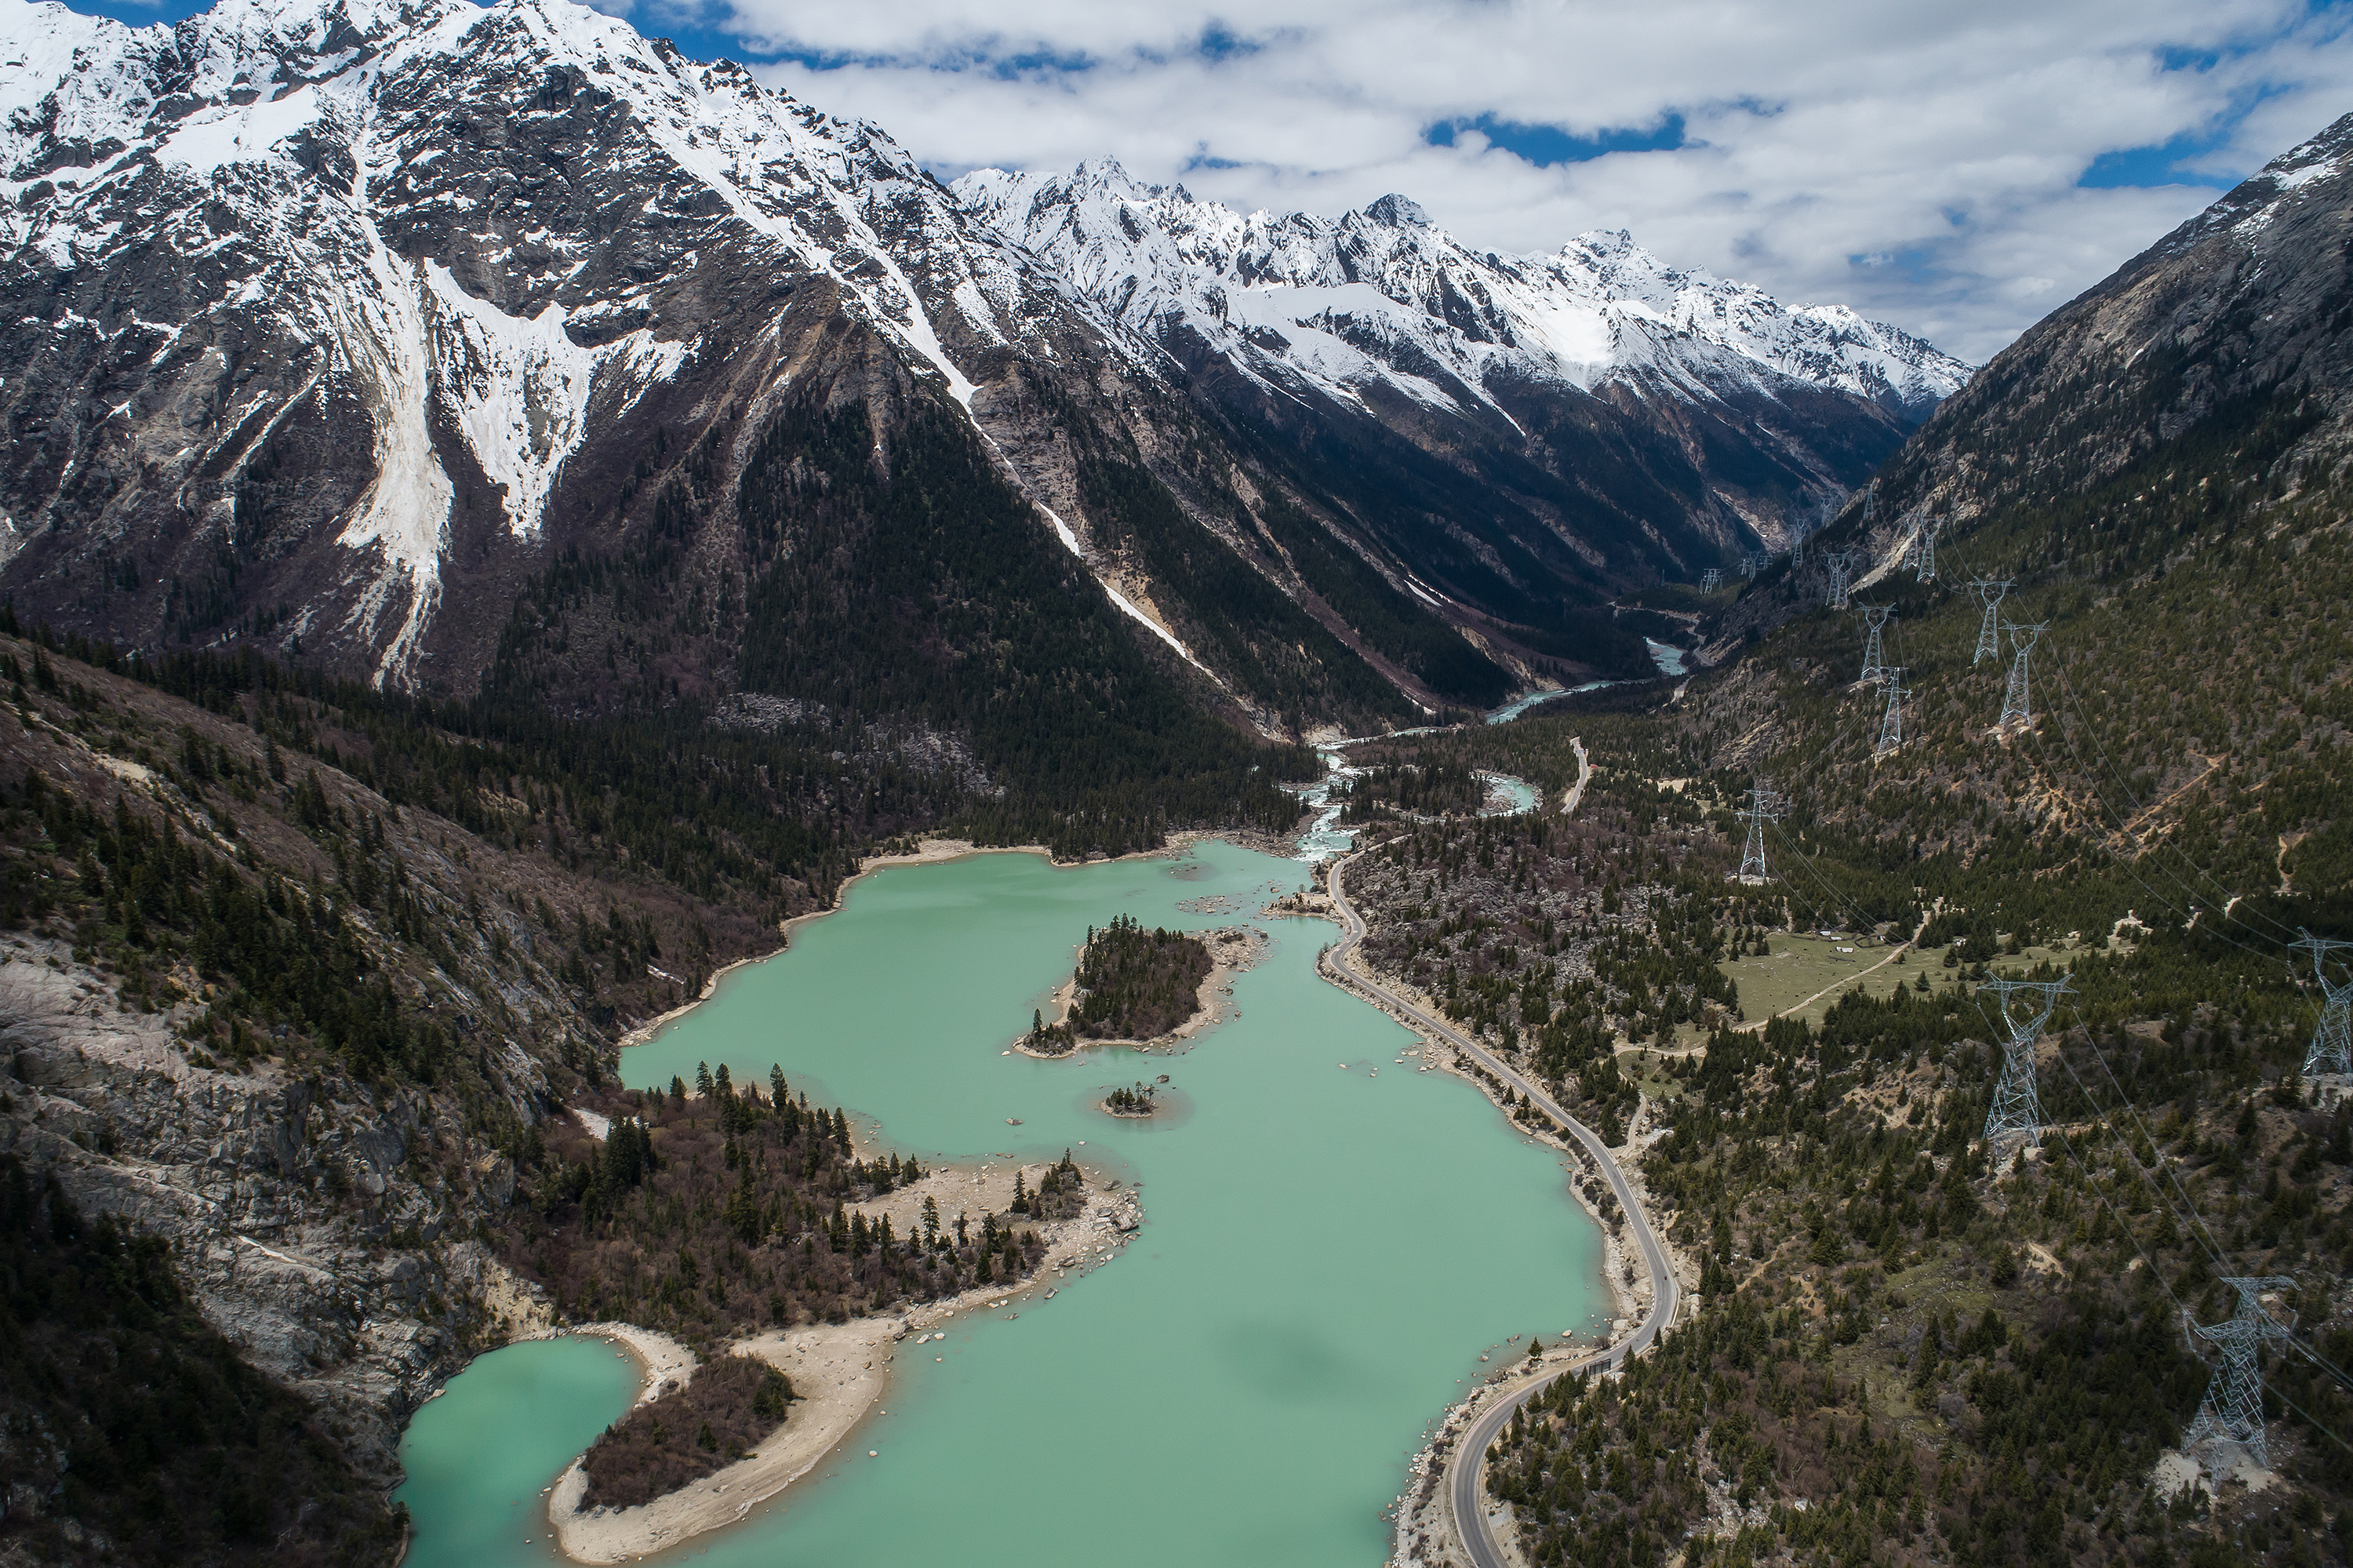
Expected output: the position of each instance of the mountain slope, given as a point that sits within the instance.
(1637, 418)
(2159, 469)
(336, 329)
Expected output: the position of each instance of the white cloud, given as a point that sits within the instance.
(1918, 161)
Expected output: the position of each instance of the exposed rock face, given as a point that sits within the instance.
(334, 327)
(320, 1203)
(306, 1217)
(356, 311)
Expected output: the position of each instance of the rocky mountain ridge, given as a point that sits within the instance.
(1384, 293)
(333, 326)
(2232, 327)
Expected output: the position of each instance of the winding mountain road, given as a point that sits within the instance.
(1466, 1473)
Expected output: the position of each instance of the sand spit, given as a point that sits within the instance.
(841, 1371)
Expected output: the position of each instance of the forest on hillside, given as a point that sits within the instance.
(1914, 1344)
(719, 1213)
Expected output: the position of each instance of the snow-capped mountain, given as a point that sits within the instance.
(1385, 295)
(442, 247)
(356, 329)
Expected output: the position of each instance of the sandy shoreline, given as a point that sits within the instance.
(841, 1371)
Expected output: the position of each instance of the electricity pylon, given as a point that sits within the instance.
(1891, 727)
(2231, 1414)
(2332, 1044)
(1924, 553)
(2015, 706)
(1842, 565)
(2017, 1104)
(1874, 664)
(1764, 805)
(1989, 591)
(1710, 579)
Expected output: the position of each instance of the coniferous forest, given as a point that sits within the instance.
(723, 1211)
(721, 1415)
(1131, 984)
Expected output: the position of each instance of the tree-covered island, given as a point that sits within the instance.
(1131, 984)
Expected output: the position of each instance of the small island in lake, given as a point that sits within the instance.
(1132, 986)
(1137, 1101)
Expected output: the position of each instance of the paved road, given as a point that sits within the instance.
(1465, 1476)
(1584, 771)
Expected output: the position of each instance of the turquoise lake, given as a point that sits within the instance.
(1326, 1252)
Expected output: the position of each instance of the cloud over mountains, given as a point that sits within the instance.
(1959, 171)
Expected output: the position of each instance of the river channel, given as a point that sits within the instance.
(1332, 1240)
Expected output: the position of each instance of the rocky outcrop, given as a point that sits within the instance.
(319, 1225)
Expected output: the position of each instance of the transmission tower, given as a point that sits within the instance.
(2332, 1043)
(1764, 805)
(1924, 553)
(1891, 727)
(1710, 580)
(2015, 707)
(1842, 565)
(1990, 592)
(2231, 1414)
(2017, 1105)
(1874, 666)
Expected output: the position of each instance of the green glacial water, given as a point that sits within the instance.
(1325, 1254)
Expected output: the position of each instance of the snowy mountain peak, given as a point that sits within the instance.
(2253, 205)
(1401, 212)
(1385, 298)
(487, 228)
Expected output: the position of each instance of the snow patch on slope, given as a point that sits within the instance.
(520, 389)
(405, 514)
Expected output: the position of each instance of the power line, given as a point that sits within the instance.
(2331, 1051)
(2233, 1411)
(1891, 723)
(2017, 1103)
(1876, 616)
(1764, 805)
(1988, 592)
(2017, 706)
(2187, 1216)
(1842, 566)
(2155, 1273)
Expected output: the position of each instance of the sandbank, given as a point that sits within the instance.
(839, 1370)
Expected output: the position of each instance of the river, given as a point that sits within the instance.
(1332, 1240)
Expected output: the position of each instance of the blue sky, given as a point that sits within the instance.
(1959, 170)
